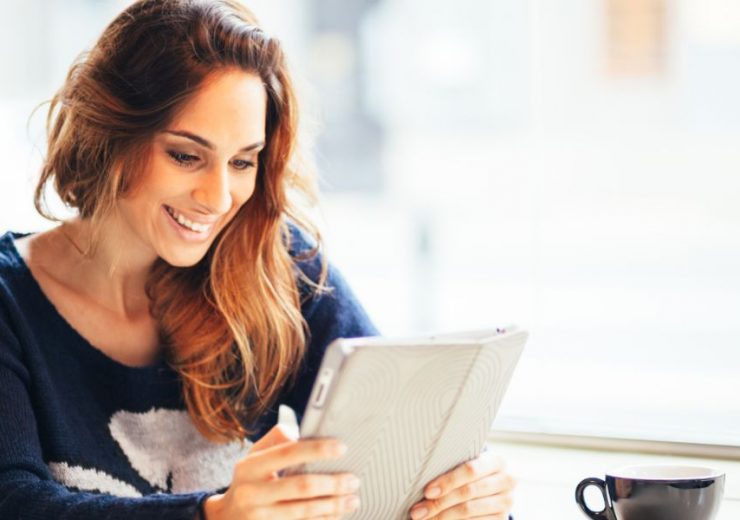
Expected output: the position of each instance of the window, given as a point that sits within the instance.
(571, 167)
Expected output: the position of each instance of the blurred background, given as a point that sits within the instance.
(570, 166)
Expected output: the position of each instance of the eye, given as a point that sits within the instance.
(240, 164)
(183, 159)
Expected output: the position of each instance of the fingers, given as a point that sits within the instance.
(502, 516)
(317, 507)
(276, 435)
(486, 464)
(477, 488)
(495, 507)
(265, 463)
(258, 491)
(498, 487)
(299, 487)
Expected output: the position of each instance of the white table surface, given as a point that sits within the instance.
(548, 476)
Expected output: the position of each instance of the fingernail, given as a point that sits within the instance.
(353, 483)
(433, 492)
(340, 449)
(353, 503)
(419, 512)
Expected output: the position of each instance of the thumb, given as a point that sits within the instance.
(278, 434)
(282, 432)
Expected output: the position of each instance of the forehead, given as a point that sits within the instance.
(230, 105)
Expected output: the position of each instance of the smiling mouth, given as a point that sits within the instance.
(188, 224)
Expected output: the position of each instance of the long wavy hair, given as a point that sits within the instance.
(231, 324)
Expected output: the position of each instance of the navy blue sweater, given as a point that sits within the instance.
(83, 436)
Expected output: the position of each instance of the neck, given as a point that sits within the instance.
(113, 270)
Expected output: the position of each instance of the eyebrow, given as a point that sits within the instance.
(203, 142)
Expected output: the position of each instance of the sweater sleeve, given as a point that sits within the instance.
(27, 489)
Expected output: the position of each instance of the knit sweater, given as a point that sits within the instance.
(85, 437)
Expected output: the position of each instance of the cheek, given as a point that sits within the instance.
(245, 190)
(136, 206)
(240, 194)
(153, 185)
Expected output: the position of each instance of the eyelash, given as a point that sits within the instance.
(247, 165)
(182, 159)
(187, 160)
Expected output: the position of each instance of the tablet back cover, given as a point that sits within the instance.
(409, 413)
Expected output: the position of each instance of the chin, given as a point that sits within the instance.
(182, 258)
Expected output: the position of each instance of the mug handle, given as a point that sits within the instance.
(604, 514)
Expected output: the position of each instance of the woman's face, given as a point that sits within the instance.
(202, 169)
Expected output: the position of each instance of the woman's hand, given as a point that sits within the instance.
(479, 489)
(258, 492)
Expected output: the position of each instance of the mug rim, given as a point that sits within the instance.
(697, 472)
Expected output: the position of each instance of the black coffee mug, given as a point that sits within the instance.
(656, 492)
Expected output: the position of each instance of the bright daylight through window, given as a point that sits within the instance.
(569, 166)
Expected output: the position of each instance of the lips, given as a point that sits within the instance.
(188, 223)
(179, 224)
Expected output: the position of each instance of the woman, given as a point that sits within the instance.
(146, 342)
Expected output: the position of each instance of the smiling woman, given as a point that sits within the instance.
(193, 186)
(120, 155)
(146, 342)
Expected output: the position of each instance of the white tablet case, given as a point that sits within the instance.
(408, 410)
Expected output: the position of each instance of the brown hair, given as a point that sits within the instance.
(231, 323)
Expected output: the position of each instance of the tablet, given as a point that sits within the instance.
(408, 410)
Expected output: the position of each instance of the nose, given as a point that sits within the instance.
(213, 192)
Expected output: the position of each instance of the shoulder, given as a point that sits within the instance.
(16, 280)
(305, 251)
(330, 313)
(12, 270)
(332, 310)
(9, 256)
(12, 267)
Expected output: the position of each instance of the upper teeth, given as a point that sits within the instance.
(200, 228)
